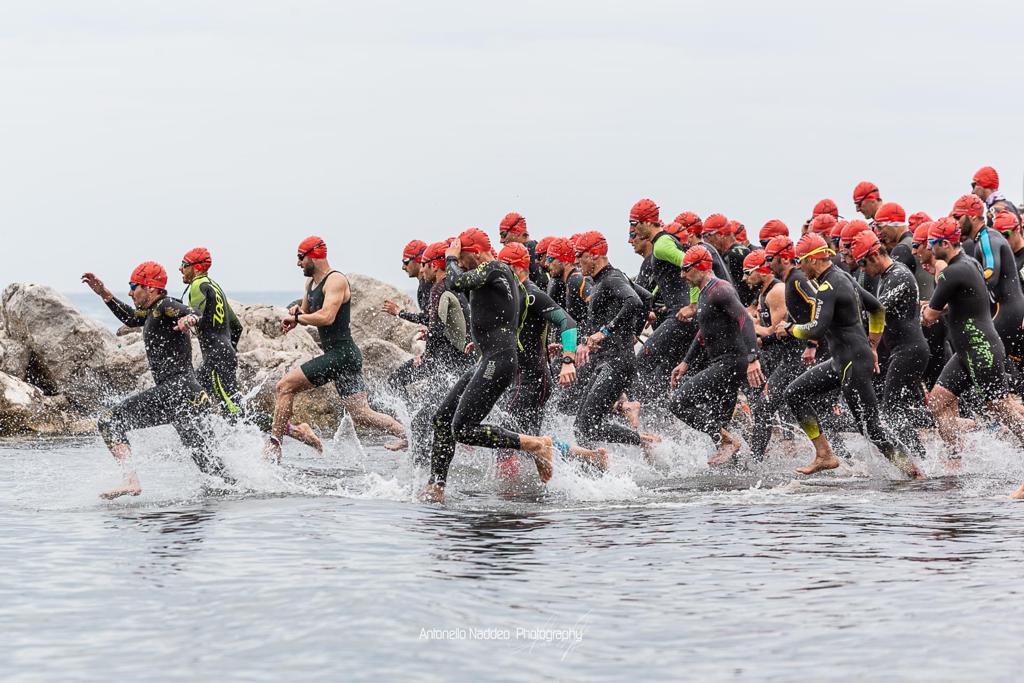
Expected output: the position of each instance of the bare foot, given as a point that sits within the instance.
(303, 433)
(272, 451)
(821, 462)
(647, 443)
(598, 458)
(543, 451)
(726, 450)
(1018, 494)
(399, 445)
(631, 410)
(953, 465)
(434, 493)
(130, 487)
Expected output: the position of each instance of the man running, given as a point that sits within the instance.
(721, 234)
(218, 330)
(608, 363)
(894, 233)
(177, 399)
(665, 348)
(326, 305)
(575, 287)
(496, 312)
(412, 260)
(867, 199)
(979, 356)
(936, 335)
(706, 400)
(512, 230)
(985, 185)
(837, 317)
(902, 393)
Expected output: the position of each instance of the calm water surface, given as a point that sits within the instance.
(327, 568)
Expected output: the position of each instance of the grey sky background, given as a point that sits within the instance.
(135, 130)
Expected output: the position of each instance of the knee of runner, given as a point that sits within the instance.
(940, 398)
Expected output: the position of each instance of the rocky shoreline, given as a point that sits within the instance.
(60, 369)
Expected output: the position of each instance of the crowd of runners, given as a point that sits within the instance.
(886, 324)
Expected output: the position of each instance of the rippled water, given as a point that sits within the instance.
(328, 568)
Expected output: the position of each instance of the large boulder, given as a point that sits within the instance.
(25, 409)
(69, 354)
(370, 322)
(380, 359)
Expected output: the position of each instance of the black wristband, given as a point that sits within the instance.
(296, 317)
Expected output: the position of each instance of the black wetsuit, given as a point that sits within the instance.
(496, 305)
(615, 308)
(705, 400)
(422, 317)
(979, 356)
(177, 399)
(442, 361)
(576, 298)
(733, 258)
(533, 382)
(1018, 257)
(538, 275)
(219, 331)
(903, 252)
(665, 348)
(781, 358)
(999, 267)
(903, 390)
(837, 317)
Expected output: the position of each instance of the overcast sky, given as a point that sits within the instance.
(133, 131)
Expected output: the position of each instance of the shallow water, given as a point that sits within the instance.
(328, 568)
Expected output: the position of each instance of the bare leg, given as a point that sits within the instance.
(303, 433)
(726, 450)
(292, 384)
(631, 410)
(365, 416)
(647, 443)
(543, 452)
(824, 459)
(130, 485)
(598, 458)
(944, 407)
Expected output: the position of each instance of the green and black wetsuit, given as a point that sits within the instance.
(177, 399)
(219, 331)
(342, 362)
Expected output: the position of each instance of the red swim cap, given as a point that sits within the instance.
(674, 229)
(592, 242)
(562, 250)
(890, 212)
(780, 246)
(199, 258)
(716, 224)
(645, 211)
(542, 246)
(823, 223)
(968, 205)
(987, 177)
(864, 244)
(755, 261)
(516, 255)
(434, 255)
(921, 231)
(313, 247)
(1006, 222)
(149, 274)
(837, 231)
(513, 222)
(773, 228)
(812, 246)
(946, 229)
(826, 207)
(741, 234)
(414, 250)
(852, 229)
(865, 190)
(475, 241)
(697, 257)
(691, 222)
(733, 228)
(917, 219)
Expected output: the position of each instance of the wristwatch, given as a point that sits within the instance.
(568, 360)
